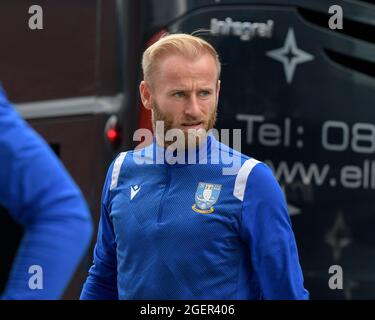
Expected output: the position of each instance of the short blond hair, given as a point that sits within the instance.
(185, 44)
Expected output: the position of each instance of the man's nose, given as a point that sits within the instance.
(192, 108)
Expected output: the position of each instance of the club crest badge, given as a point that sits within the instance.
(205, 197)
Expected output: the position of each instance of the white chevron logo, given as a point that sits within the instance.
(134, 190)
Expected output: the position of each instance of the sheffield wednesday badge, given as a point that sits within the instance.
(206, 196)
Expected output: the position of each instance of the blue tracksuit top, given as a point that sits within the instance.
(188, 231)
(38, 193)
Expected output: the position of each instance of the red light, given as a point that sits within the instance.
(112, 135)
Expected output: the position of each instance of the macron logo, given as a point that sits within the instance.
(134, 190)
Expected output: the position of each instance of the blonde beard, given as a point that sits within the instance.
(193, 138)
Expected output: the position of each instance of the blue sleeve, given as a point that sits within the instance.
(266, 228)
(101, 283)
(39, 194)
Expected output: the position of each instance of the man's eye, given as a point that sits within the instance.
(179, 94)
(204, 93)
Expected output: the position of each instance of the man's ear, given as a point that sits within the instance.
(146, 97)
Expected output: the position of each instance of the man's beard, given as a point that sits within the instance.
(193, 137)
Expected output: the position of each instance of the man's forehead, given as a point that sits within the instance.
(178, 68)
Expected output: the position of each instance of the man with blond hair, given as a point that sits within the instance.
(183, 229)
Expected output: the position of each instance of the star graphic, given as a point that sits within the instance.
(338, 237)
(289, 55)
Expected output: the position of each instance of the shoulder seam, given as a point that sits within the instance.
(117, 169)
(242, 176)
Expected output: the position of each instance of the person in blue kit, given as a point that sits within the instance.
(185, 230)
(38, 193)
